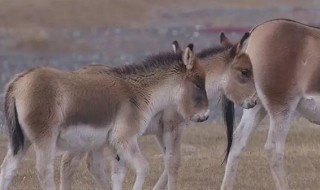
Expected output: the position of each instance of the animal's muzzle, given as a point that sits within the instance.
(201, 117)
(249, 105)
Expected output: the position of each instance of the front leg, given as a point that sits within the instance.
(69, 163)
(128, 150)
(169, 139)
(95, 164)
(139, 163)
(172, 139)
(163, 180)
(118, 172)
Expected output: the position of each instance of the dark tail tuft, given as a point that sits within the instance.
(15, 132)
(228, 114)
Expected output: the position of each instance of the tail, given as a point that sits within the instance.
(228, 114)
(11, 115)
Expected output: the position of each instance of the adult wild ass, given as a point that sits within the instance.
(286, 65)
(59, 110)
(228, 72)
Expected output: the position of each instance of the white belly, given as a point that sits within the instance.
(82, 138)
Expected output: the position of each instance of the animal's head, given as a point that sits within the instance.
(193, 103)
(239, 82)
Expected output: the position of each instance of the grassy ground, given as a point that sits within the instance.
(203, 148)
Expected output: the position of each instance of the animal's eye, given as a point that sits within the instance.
(199, 82)
(245, 73)
(198, 85)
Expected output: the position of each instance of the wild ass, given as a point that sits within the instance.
(228, 72)
(59, 110)
(286, 66)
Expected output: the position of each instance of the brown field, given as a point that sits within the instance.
(201, 168)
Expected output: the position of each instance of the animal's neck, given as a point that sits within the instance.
(152, 70)
(161, 97)
(164, 95)
(147, 80)
(214, 67)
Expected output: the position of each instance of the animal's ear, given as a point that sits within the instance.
(224, 41)
(240, 47)
(189, 57)
(176, 47)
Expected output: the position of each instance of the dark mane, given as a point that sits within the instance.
(211, 51)
(152, 63)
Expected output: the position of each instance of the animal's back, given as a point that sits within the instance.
(69, 98)
(94, 69)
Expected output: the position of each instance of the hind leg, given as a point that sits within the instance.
(249, 121)
(10, 165)
(69, 163)
(281, 117)
(45, 154)
(95, 164)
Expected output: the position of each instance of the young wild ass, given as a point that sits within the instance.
(228, 72)
(286, 66)
(59, 110)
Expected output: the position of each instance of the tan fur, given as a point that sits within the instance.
(80, 112)
(286, 65)
(168, 125)
(10, 95)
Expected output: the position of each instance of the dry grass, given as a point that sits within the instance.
(203, 148)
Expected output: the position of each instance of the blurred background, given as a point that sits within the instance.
(72, 33)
